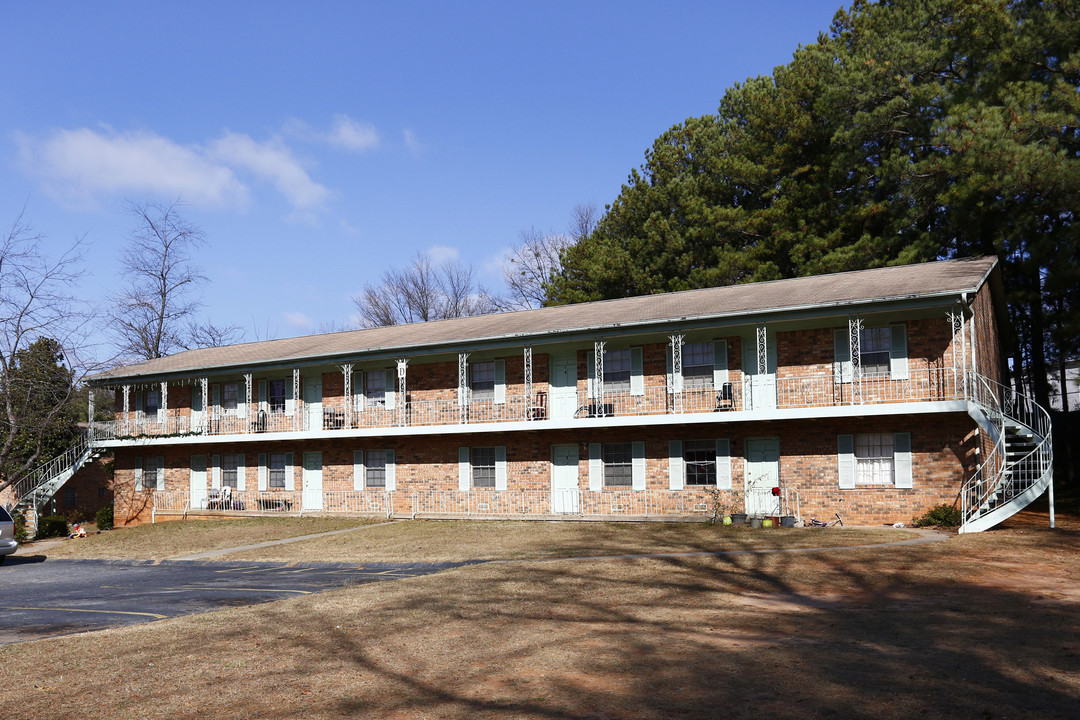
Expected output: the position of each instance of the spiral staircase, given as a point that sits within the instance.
(1019, 467)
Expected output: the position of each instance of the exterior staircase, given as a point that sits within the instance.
(31, 493)
(1019, 468)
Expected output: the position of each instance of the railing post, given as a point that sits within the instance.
(527, 372)
(598, 377)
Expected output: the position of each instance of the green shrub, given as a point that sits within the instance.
(104, 518)
(942, 516)
(52, 526)
(21, 535)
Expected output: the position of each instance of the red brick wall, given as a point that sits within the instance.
(942, 453)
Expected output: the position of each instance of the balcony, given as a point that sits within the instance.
(743, 394)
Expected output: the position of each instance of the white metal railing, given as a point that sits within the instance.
(999, 481)
(28, 488)
(274, 501)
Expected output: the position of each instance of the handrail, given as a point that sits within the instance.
(997, 481)
(29, 484)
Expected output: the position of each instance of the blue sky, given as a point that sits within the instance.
(317, 144)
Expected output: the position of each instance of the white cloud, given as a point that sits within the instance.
(441, 253)
(411, 142)
(272, 161)
(80, 166)
(353, 135)
(298, 320)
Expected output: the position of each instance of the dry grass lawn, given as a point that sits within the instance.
(160, 541)
(981, 626)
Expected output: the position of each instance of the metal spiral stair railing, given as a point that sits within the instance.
(1019, 468)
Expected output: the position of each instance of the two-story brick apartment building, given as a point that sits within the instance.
(872, 394)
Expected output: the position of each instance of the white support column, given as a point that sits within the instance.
(346, 372)
(956, 323)
(401, 404)
(676, 388)
(251, 415)
(855, 343)
(463, 387)
(204, 383)
(964, 346)
(90, 411)
(296, 398)
(127, 409)
(598, 377)
(527, 370)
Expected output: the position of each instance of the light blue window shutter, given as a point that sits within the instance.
(262, 396)
(215, 394)
(215, 471)
(160, 472)
(637, 465)
(196, 397)
(841, 356)
(358, 470)
(390, 392)
(290, 484)
(675, 465)
(139, 409)
(463, 470)
(898, 362)
(290, 401)
(240, 472)
(500, 382)
(845, 460)
(902, 459)
(391, 470)
(719, 363)
(138, 473)
(262, 471)
(590, 372)
(596, 466)
(358, 391)
(637, 373)
(500, 467)
(723, 464)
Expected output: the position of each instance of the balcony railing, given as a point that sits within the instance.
(743, 393)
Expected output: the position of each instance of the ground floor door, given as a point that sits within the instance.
(198, 482)
(565, 488)
(312, 481)
(762, 475)
(563, 385)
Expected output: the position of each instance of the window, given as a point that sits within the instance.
(375, 388)
(229, 394)
(874, 459)
(228, 471)
(482, 380)
(617, 370)
(375, 469)
(874, 345)
(482, 461)
(102, 492)
(276, 395)
(152, 402)
(69, 497)
(697, 365)
(150, 474)
(700, 459)
(276, 479)
(618, 469)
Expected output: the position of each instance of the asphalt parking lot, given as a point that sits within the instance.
(46, 598)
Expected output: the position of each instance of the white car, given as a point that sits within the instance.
(7, 534)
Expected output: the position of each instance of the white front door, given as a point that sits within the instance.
(762, 475)
(313, 403)
(198, 482)
(312, 481)
(565, 488)
(563, 386)
(759, 385)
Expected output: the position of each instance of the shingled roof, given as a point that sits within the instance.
(943, 278)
